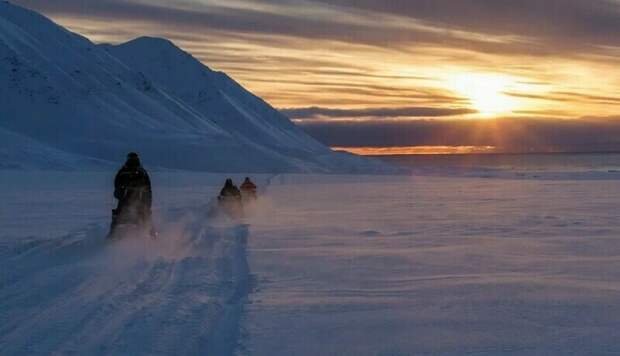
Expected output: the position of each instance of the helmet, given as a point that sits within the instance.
(133, 160)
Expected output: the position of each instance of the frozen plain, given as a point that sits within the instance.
(333, 265)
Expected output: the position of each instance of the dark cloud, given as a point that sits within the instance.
(210, 17)
(601, 99)
(508, 134)
(569, 97)
(314, 112)
(576, 27)
(571, 23)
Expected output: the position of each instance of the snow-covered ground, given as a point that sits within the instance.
(434, 265)
(64, 289)
(326, 265)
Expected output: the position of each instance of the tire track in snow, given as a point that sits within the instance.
(181, 294)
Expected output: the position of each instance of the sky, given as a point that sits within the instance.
(504, 75)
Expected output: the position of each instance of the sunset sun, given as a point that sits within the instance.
(485, 92)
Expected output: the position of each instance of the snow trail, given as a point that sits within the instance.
(181, 294)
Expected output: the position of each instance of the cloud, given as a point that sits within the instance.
(315, 112)
(500, 26)
(556, 23)
(397, 54)
(507, 134)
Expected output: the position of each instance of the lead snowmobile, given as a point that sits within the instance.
(230, 201)
(132, 188)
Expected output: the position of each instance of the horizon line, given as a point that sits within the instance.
(441, 150)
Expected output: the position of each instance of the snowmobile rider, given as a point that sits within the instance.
(230, 190)
(132, 188)
(230, 200)
(248, 188)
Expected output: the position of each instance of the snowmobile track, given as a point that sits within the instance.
(182, 294)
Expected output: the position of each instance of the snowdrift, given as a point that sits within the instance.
(75, 101)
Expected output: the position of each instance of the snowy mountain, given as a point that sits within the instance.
(21, 152)
(71, 101)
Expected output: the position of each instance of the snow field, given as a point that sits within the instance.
(436, 266)
(328, 265)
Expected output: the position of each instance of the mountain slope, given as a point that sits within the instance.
(213, 94)
(20, 152)
(100, 101)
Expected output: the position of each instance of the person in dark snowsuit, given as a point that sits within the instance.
(230, 199)
(132, 188)
(230, 190)
(248, 189)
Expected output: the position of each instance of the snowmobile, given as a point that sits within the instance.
(248, 190)
(232, 205)
(130, 221)
(132, 189)
(248, 196)
(230, 201)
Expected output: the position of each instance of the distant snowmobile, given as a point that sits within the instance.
(230, 200)
(132, 188)
(248, 190)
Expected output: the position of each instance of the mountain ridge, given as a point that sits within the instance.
(98, 101)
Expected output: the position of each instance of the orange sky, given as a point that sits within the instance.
(293, 72)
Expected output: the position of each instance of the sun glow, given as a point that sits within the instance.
(486, 92)
(416, 150)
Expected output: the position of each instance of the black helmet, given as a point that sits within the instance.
(133, 160)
